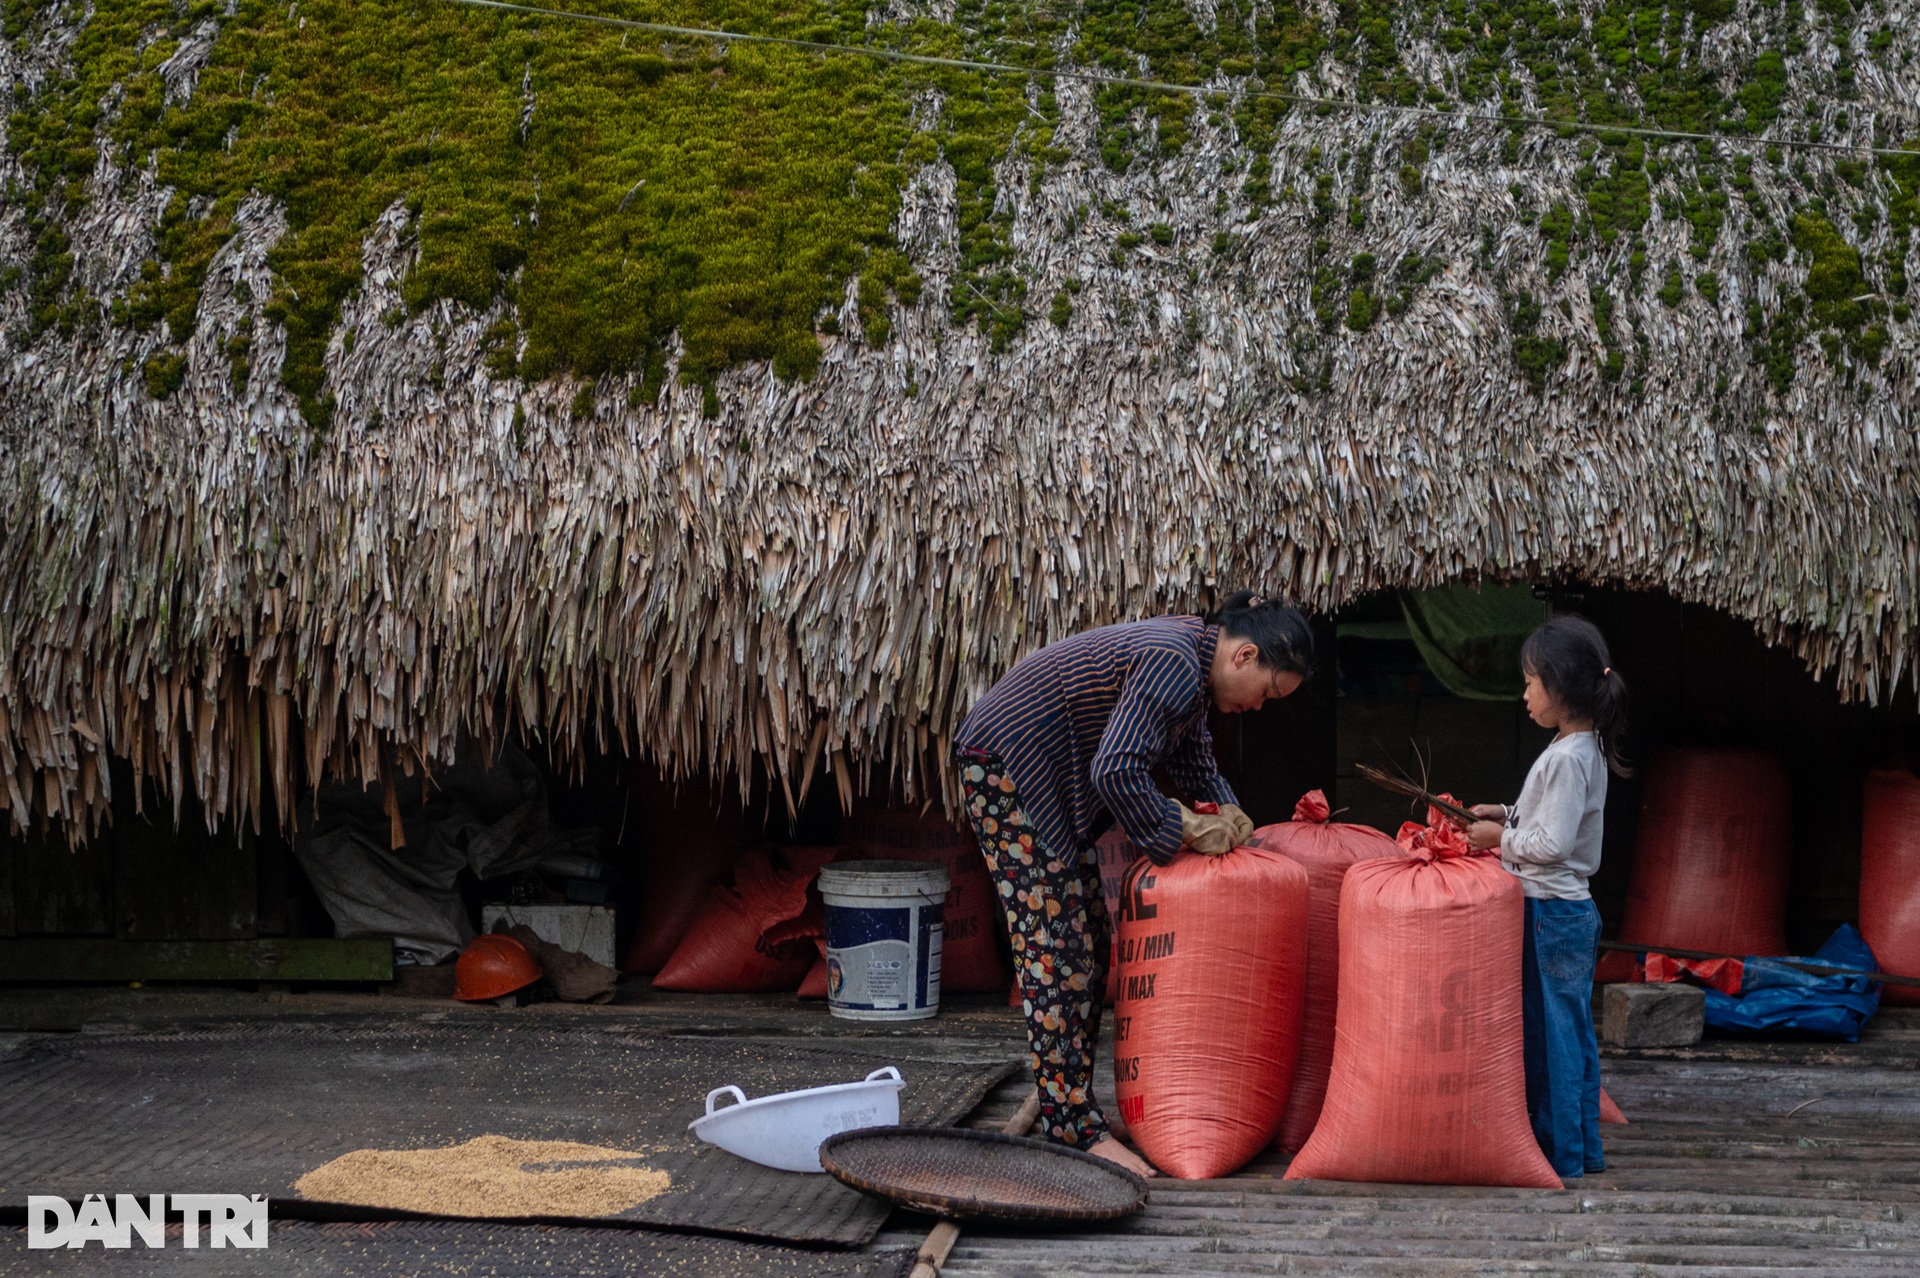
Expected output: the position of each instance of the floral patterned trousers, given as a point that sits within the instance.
(1057, 920)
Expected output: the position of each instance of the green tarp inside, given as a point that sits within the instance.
(1469, 637)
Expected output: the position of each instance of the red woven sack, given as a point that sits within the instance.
(689, 838)
(1890, 879)
(729, 950)
(1725, 975)
(1714, 852)
(1116, 854)
(1324, 849)
(1429, 1083)
(970, 959)
(1610, 1112)
(815, 984)
(1209, 993)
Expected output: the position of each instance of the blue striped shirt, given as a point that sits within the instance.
(1081, 725)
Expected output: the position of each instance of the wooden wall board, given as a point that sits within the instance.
(182, 883)
(279, 959)
(10, 855)
(62, 891)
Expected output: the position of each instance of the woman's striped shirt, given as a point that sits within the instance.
(1081, 724)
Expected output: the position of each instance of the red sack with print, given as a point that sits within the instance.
(1429, 1078)
(740, 942)
(1116, 853)
(815, 984)
(1208, 997)
(1325, 850)
(974, 924)
(689, 835)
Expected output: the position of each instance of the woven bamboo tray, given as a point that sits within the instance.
(968, 1175)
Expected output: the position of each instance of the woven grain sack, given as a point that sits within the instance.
(814, 985)
(689, 837)
(1428, 1083)
(1116, 853)
(1324, 849)
(1208, 997)
(747, 938)
(970, 958)
(1890, 879)
(1714, 852)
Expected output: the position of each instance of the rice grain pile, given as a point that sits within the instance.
(490, 1176)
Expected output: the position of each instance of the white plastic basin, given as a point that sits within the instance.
(784, 1130)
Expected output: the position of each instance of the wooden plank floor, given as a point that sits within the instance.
(1742, 1158)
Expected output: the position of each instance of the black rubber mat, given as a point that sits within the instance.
(433, 1248)
(252, 1110)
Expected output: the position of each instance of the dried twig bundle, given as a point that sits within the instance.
(1413, 790)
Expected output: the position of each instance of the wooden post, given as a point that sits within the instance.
(939, 1243)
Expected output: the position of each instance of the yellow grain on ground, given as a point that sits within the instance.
(489, 1176)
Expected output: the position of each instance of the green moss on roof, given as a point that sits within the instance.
(616, 188)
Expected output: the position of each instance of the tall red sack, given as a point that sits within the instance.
(689, 837)
(728, 949)
(1325, 850)
(1890, 879)
(1209, 992)
(1714, 853)
(1116, 853)
(1429, 1078)
(970, 960)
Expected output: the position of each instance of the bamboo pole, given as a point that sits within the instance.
(934, 1251)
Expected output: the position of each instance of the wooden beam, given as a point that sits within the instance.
(939, 1244)
(277, 959)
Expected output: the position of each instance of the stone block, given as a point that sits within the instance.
(1652, 1015)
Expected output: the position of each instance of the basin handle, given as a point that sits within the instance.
(739, 1096)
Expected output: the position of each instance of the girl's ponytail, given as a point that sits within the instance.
(1568, 655)
(1610, 719)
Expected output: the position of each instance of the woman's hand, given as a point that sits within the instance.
(1482, 835)
(1207, 833)
(1242, 824)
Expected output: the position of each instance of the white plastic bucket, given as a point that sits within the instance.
(785, 1130)
(885, 922)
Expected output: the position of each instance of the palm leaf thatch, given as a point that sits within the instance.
(825, 573)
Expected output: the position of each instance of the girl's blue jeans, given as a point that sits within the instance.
(1563, 1060)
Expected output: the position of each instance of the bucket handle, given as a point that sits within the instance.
(886, 1071)
(739, 1096)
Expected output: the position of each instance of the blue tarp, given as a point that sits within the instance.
(1776, 997)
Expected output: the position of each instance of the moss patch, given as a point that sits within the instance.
(615, 188)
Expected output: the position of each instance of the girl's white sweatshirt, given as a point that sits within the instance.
(1553, 833)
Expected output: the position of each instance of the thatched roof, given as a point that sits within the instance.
(830, 571)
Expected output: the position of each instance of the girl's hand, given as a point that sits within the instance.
(1482, 835)
(1489, 811)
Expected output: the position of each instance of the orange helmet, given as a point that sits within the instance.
(492, 966)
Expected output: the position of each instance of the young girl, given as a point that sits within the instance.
(1065, 745)
(1550, 838)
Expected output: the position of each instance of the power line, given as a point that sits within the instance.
(1197, 90)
